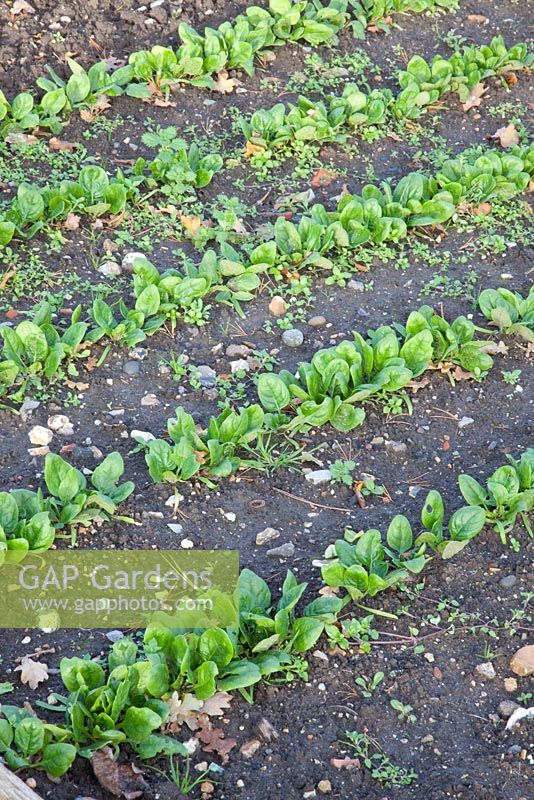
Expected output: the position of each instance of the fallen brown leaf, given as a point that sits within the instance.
(101, 104)
(495, 348)
(416, 385)
(224, 84)
(480, 18)
(507, 136)
(77, 386)
(121, 780)
(72, 221)
(251, 148)
(216, 705)
(213, 740)
(250, 748)
(17, 137)
(482, 210)
(323, 177)
(58, 144)
(346, 763)
(183, 710)
(191, 224)
(32, 672)
(475, 97)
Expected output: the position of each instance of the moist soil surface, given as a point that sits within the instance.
(457, 744)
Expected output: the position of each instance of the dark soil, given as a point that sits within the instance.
(457, 745)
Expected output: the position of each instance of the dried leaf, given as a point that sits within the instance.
(224, 84)
(101, 104)
(185, 709)
(58, 144)
(507, 136)
(32, 672)
(495, 348)
(72, 221)
(17, 137)
(475, 97)
(216, 705)
(482, 210)
(213, 739)
(346, 763)
(191, 224)
(251, 148)
(121, 780)
(416, 385)
(323, 177)
(113, 63)
(480, 18)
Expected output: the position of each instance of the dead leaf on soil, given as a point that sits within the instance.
(17, 137)
(32, 672)
(72, 221)
(251, 148)
(507, 136)
(58, 144)
(113, 63)
(495, 348)
(216, 705)
(101, 104)
(191, 224)
(416, 385)
(482, 210)
(346, 763)
(480, 18)
(328, 591)
(121, 780)
(77, 386)
(323, 177)
(183, 710)
(373, 28)
(224, 84)
(214, 740)
(475, 97)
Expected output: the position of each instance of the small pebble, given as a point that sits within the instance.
(293, 337)
(465, 421)
(318, 476)
(486, 670)
(131, 367)
(284, 551)
(508, 581)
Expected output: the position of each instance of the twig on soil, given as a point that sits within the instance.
(310, 503)
(444, 415)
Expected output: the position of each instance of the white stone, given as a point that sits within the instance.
(40, 436)
(318, 476)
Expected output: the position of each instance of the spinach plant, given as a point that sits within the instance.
(213, 453)
(36, 352)
(509, 492)
(27, 741)
(509, 311)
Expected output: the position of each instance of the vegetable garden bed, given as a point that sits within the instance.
(266, 285)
